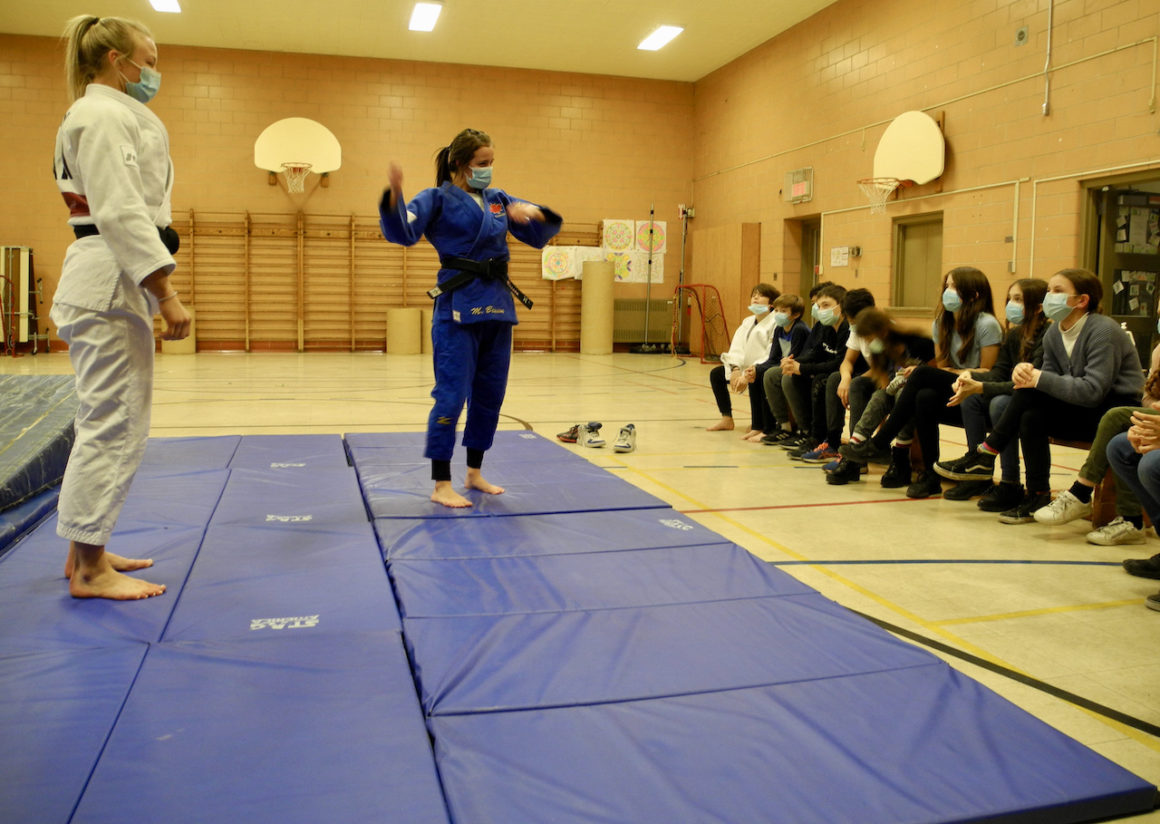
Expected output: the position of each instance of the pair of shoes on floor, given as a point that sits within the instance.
(583, 434)
(1143, 567)
(974, 466)
(1024, 512)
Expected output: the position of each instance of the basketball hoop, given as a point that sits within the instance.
(878, 190)
(295, 174)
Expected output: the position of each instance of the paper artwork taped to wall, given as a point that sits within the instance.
(619, 235)
(562, 262)
(633, 267)
(656, 240)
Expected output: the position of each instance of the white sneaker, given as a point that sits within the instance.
(1063, 510)
(1116, 533)
(590, 435)
(626, 441)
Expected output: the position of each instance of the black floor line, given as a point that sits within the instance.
(1006, 672)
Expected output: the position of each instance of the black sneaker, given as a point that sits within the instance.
(1024, 513)
(777, 438)
(847, 472)
(1001, 497)
(965, 490)
(897, 475)
(1143, 567)
(974, 466)
(796, 441)
(795, 454)
(864, 452)
(928, 485)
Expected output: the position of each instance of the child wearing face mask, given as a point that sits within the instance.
(1089, 366)
(789, 387)
(789, 340)
(983, 395)
(967, 336)
(749, 347)
(467, 221)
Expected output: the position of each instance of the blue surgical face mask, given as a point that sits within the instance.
(951, 300)
(814, 312)
(1158, 326)
(758, 308)
(826, 317)
(876, 346)
(147, 87)
(1055, 306)
(780, 318)
(479, 177)
(1014, 313)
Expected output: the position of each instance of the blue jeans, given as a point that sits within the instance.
(1141, 473)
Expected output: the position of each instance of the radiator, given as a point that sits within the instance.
(628, 320)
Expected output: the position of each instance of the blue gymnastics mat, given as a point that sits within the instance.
(190, 453)
(403, 448)
(914, 745)
(270, 579)
(291, 495)
(56, 710)
(598, 580)
(21, 518)
(298, 728)
(36, 434)
(554, 534)
(289, 452)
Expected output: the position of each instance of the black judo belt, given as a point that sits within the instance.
(168, 235)
(468, 270)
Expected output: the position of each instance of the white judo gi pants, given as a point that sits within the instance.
(112, 355)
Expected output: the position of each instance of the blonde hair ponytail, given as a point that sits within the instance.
(88, 39)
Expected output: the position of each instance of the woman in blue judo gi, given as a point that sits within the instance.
(467, 221)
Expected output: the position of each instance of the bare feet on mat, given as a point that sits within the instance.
(102, 581)
(723, 425)
(117, 562)
(477, 481)
(445, 494)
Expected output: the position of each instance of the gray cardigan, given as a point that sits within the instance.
(1104, 362)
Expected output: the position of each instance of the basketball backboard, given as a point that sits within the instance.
(911, 148)
(297, 141)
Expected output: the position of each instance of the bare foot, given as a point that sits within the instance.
(748, 436)
(445, 494)
(106, 582)
(117, 562)
(477, 481)
(723, 425)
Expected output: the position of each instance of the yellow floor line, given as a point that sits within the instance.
(1027, 613)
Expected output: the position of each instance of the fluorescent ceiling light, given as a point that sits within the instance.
(660, 37)
(165, 5)
(424, 16)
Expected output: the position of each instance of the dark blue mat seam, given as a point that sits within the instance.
(1014, 675)
(610, 609)
(723, 541)
(193, 562)
(936, 662)
(109, 735)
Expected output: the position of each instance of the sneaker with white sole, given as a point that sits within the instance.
(1063, 510)
(626, 441)
(1153, 602)
(1115, 533)
(590, 435)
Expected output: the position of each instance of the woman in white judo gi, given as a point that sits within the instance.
(113, 169)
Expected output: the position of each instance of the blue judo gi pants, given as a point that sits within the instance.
(471, 366)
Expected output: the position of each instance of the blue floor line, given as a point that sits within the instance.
(824, 562)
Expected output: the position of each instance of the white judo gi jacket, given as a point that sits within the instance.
(113, 169)
(751, 342)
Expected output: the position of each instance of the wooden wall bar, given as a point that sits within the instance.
(298, 282)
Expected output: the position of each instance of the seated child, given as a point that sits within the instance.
(750, 346)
